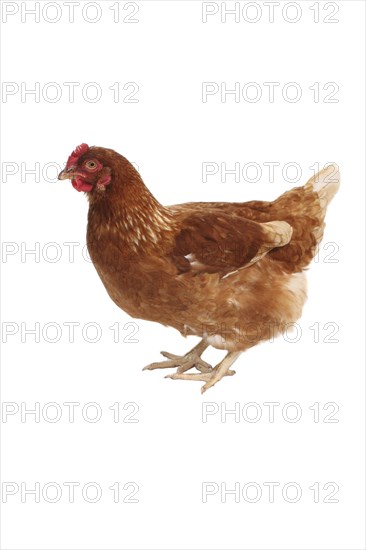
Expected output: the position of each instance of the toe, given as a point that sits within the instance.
(169, 355)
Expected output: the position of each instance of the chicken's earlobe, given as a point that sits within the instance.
(104, 179)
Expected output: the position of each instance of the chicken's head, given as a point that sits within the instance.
(85, 170)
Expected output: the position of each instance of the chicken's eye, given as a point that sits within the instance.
(91, 165)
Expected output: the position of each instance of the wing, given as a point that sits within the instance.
(216, 242)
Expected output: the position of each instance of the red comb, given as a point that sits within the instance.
(75, 155)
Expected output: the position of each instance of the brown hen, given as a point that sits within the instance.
(230, 273)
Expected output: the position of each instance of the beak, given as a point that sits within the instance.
(66, 174)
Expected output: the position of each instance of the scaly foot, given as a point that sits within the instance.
(215, 375)
(191, 360)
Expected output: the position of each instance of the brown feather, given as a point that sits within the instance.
(228, 272)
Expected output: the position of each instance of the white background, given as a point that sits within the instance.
(169, 133)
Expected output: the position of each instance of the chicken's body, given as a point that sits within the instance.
(230, 273)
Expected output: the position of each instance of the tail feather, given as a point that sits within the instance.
(325, 184)
(304, 208)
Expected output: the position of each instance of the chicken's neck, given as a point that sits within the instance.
(127, 208)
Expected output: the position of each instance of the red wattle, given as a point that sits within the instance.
(81, 185)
